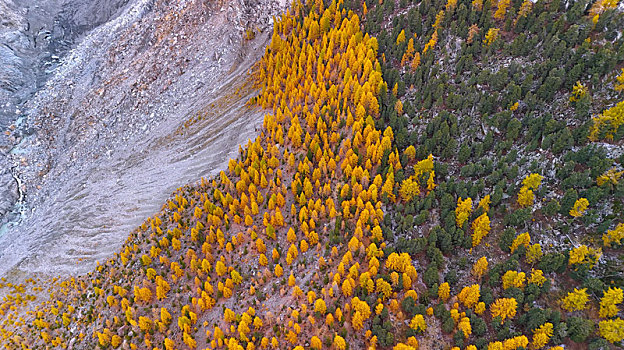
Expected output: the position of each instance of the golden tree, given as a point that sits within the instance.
(480, 267)
(463, 210)
(464, 326)
(576, 300)
(480, 227)
(469, 296)
(504, 308)
(418, 323)
(443, 291)
(319, 306)
(513, 279)
(537, 277)
(501, 10)
(614, 237)
(523, 239)
(339, 342)
(609, 301)
(619, 82)
(612, 330)
(491, 36)
(542, 335)
(525, 197)
(533, 253)
(579, 208)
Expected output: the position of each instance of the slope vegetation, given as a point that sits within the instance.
(437, 185)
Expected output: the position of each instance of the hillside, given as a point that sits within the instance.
(428, 175)
(152, 99)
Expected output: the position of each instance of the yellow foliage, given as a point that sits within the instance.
(579, 208)
(609, 301)
(469, 296)
(480, 267)
(541, 335)
(491, 36)
(513, 279)
(609, 122)
(523, 239)
(339, 342)
(525, 197)
(601, 6)
(504, 308)
(319, 306)
(537, 277)
(401, 37)
(576, 300)
(464, 326)
(578, 92)
(525, 9)
(463, 210)
(611, 177)
(409, 189)
(614, 237)
(612, 330)
(619, 82)
(480, 227)
(485, 203)
(533, 253)
(584, 255)
(443, 291)
(418, 323)
(501, 10)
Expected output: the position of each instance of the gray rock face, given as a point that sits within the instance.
(8, 194)
(33, 36)
(150, 100)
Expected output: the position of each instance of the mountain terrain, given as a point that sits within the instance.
(418, 175)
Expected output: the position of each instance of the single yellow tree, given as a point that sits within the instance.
(580, 207)
(576, 300)
(609, 301)
(504, 308)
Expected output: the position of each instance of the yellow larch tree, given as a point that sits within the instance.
(533, 253)
(491, 36)
(480, 228)
(418, 323)
(612, 330)
(523, 239)
(444, 291)
(576, 300)
(619, 82)
(464, 326)
(537, 277)
(480, 267)
(504, 308)
(613, 237)
(579, 208)
(339, 342)
(463, 210)
(525, 197)
(609, 302)
(501, 9)
(542, 335)
(513, 279)
(470, 295)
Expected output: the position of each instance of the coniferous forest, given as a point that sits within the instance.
(433, 174)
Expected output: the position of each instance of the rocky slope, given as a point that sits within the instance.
(146, 102)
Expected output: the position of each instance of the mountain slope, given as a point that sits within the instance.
(108, 147)
(451, 189)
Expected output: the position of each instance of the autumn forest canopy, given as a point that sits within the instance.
(434, 174)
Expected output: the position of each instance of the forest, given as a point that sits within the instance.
(434, 174)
